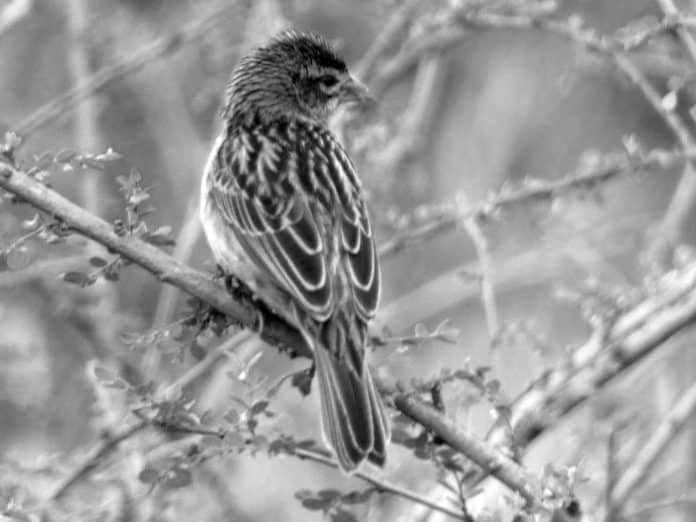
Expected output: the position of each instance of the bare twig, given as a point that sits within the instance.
(86, 126)
(95, 457)
(485, 265)
(387, 36)
(684, 197)
(204, 365)
(430, 43)
(685, 194)
(153, 51)
(610, 167)
(647, 457)
(381, 485)
(686, 499)
(426, 96)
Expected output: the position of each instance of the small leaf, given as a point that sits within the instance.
(329, 494)
(111, 275)
(103, 374)
(76, 278)
(232, 416)
(138, 197)
(258, 407)
(303, 382)
(357, 497)
(97, 261)
(178, 478)
(303, 494)
(149, 475)
(493, 386)
(109, 155)
(314, 504)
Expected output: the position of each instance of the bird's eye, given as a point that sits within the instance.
(328, 81)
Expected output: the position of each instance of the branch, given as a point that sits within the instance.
(684, 197)
(386, 38)
(685, 193)
(159, 48)
(647, 457)
(276, 329)
(96, 456)
(635, 334)
(381, 485)
(503, 468)
(610, 167)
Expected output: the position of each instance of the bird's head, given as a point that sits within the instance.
(294, 75)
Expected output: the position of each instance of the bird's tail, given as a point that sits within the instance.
(353, 417)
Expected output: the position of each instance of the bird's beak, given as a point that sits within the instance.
(354, 92)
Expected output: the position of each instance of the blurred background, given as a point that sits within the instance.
(483, 108)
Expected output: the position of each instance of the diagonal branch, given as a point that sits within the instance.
(276, 329)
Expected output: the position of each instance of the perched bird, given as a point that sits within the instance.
(283, 210)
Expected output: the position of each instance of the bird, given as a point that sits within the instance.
(283, 210)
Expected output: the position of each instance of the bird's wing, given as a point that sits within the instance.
(265, 198)
(358, 243)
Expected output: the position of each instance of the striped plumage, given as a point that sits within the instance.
(282, 209)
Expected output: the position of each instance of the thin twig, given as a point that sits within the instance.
(386, 38)
(611, 166)
(205, 364)
(91, 462)
(426, 97)
(95, 457)
(189, 232)
(381, 485)
(686, 499)
(684, 196)
(86, 126)
(486, 279)
(652, 450)
(159, 48)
